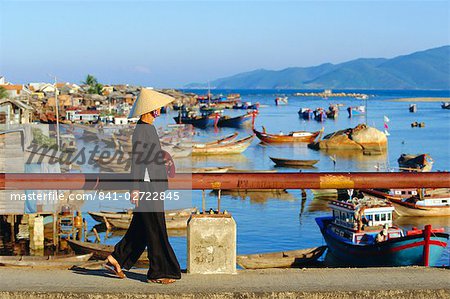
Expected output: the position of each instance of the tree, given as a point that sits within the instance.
(90, 80)
(94, 86)
(3, 92)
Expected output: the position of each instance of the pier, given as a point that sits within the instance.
(224, 181)
(411, 282)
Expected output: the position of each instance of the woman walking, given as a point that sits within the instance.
(148, 171)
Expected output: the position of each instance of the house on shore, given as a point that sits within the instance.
(14, 112)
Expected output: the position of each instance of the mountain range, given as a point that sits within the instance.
(428, 69)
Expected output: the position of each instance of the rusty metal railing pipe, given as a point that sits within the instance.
(225, 181)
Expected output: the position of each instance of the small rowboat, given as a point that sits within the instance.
(292, 162)
(283, 259)
(223, 140)
(228, 148)
(175, 219)
(422, 162)
(297, 136)
(47, 262)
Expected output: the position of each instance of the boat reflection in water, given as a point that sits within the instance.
(257, 196)
(353, 159)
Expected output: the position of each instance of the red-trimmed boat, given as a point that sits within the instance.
(361, 233)
(292, 137)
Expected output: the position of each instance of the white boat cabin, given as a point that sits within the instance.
(360, 223)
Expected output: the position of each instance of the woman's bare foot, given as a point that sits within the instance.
(163, 280)
(113, 266)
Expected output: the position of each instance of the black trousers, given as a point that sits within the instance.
(148, 229)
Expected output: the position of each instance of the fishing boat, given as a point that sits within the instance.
(292, 137)
(226, 148)
(199, 121)
(175, 219)
(361, 233)
(47, 262)
(422, 162)
(246, 106)
(238, 121)
(104, 216)
(320, 114)
(281, 101)
(282, 259)
(419, 205)
(225, 139)
(356, 111)
(292, 162)
(306, 113)
(445, 105)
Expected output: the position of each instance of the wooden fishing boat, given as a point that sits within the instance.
(175, 219)
(445, 105)
(422, 162)
(282, 259)
(47, 262)
(128, 214)
(238, 121)
(212, 169)
(223, 140)
(292, 137)
(292, 162)
(199, 121)
(420, 205)
(105, 215)
(228, 148)
(361, 233)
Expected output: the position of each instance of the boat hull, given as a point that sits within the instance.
(236, 147)
(420, 211)
(273, 138)
(235, 122)
(403, 251)
(201, 123)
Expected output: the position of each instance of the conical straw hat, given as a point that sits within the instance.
(148, 101)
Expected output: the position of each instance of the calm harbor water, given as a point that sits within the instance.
(284, 221)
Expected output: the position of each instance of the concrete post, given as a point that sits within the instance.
(211, 244)
(36, 232)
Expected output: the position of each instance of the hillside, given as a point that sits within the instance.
(429, 69)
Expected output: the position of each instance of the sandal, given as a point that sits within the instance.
(108, 266)
(162, 280)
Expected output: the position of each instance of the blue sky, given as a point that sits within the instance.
(169, 44)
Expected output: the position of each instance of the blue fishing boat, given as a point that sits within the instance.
(199, 121)
(306, 113)
(238, 121)
(360, 233)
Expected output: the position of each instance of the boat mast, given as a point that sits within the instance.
(57, 115)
